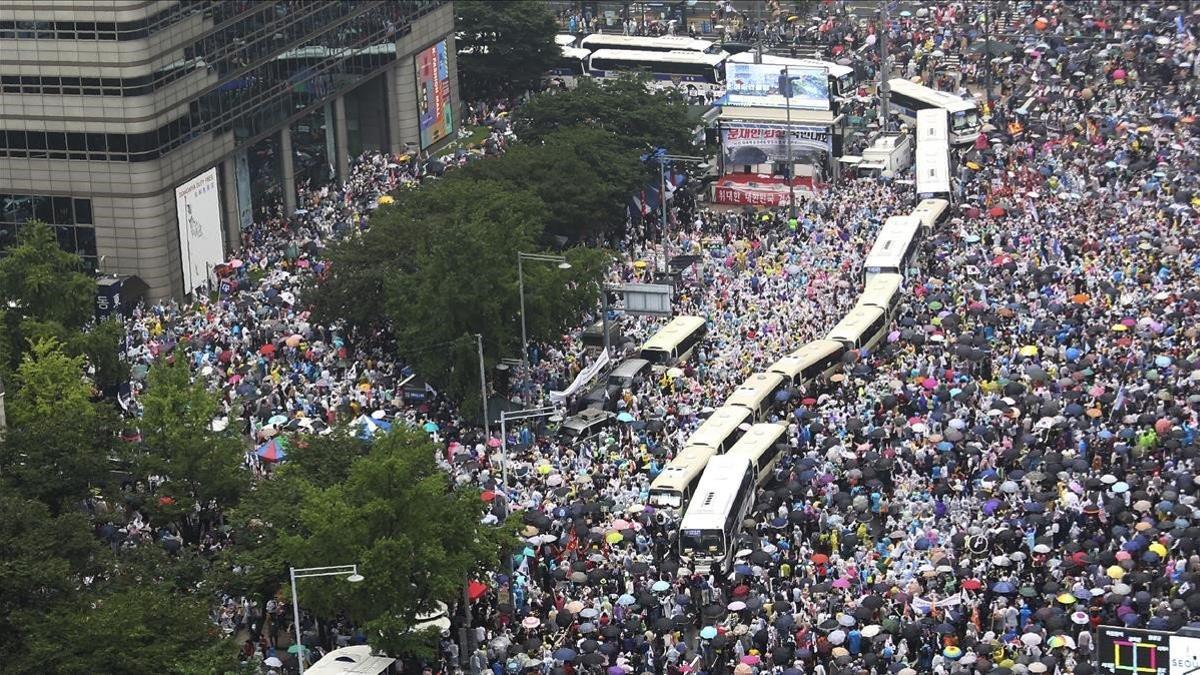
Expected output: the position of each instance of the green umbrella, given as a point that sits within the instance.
(295, 648)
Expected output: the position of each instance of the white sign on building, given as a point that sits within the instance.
(201, 237)
(1184, 655)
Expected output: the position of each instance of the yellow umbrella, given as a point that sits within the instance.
(1029, 350)
(1066, 599)
(640, 264)
(544, 469)
(613, 537)
(1115, 572)
(386, 199)
(1120, 327)
(1159, 549)
(973, 166)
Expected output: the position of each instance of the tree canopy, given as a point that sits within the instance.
(504, 47)
(641, 118)
(415, 538)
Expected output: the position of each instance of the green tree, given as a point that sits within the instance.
(415, 538)
(41, 558)
(583, 175)
(643, 119)
(179, 443)
(48, 383)
(442, 265)
(40, 281)
(146, 629)
(504, 48)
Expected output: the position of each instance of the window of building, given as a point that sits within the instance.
(70, 217)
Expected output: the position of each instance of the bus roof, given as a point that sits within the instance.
(836, 70)
(753, 389)
(920, 92)
(664, 43)
(659, 57)
(722, 422)
(669, 335)
(880, 289)
(758, 438)
(892, 241)
(716, 493)
(793, 364)
(855, 323)
(575, 53)
(564, 40)
(683, 468)
(928, 211)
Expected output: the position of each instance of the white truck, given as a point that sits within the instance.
(890, 153)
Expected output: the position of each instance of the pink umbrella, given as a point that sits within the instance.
(929, 383)
(1119, 74)
(841, 583)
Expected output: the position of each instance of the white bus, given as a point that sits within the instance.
(963, 115)
(894, 247)
(722, 428)
(762, 445)
(690, 72)
(714, 516)
(862, 328)
(933, 154)
(757, 394)
(931, 213)
(565, 40)
(666, 43)
(571, 65)
(675, 484)
(811, 363)
(882, 291)
(675, 341)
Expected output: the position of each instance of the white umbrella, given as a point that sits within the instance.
(273, 662)
(1031, 639)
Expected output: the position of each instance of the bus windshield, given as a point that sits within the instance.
(702, 541)
(667, 498)
(961, 121)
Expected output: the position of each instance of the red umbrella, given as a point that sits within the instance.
(267, 350)
(971, 584)
(475, 590)
(995, 212)
(487, 495)
(820, 558)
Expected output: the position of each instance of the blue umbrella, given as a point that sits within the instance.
(430, 426)
(1003, 587)
(565, 654)
(743, 569)
(783, 395)
(626, 600)
(369, 426)
(708, 632)
(660, 586)
(624, 417)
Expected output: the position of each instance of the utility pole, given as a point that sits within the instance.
(885, 90)
(787, 134)
(487, 431)
(987, 54)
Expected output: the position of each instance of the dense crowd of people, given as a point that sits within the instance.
(1011, 467)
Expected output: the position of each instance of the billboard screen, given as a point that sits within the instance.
(745, 143)
(1130, 651)
(757, 85)
(201, 238)
(435, 115)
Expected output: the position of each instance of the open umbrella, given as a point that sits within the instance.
(274, 450)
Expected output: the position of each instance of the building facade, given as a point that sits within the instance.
(150, 133)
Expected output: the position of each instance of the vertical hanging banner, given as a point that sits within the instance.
(435, 116)
(201, 239)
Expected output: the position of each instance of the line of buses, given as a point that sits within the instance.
(735, 450)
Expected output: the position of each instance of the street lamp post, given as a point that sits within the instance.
(662, 196)
(791, 166)
(537, 257)
(348, 571)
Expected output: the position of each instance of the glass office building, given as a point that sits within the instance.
(148, 133)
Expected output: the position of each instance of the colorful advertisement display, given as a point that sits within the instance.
(436, 117)
(201, 238)
(746, 143)
(756, 85)
(1131, 651)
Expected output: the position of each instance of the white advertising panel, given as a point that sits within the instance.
(756, 85)
(1184, 655)
(933, 153)
(201, 237)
